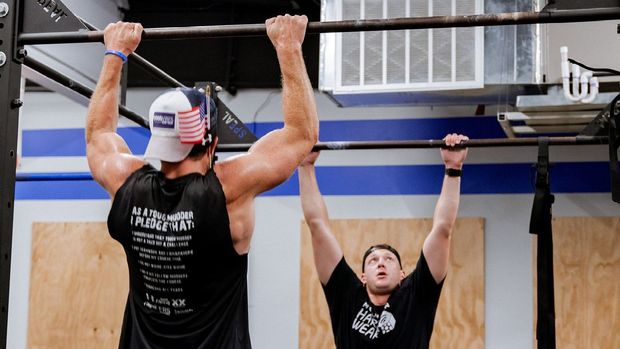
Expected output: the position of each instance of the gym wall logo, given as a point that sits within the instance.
(234, 125)
(163, 120)
(49, 16)
(230, 129)
(54, 9)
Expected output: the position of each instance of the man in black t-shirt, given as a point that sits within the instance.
(385, 308)
(186, 229)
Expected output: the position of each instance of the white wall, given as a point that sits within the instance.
(274, 257)
(578, 38)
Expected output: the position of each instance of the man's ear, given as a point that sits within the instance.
(363, 278)
(402, 274)
(214, 144)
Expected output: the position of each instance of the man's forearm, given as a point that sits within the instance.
(298, 103)
(447, 206)
(325, 248)
(103, 107)
(312, 202)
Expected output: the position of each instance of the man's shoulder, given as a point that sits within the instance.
(342, 278)
(232, 173)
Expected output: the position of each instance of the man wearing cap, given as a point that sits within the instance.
(385, 309)
(186, 229)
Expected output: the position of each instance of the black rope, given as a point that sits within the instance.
(610, 71)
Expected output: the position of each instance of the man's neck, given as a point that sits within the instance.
(177, 169)
(378, 299)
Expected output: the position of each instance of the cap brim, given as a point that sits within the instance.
(168, 149)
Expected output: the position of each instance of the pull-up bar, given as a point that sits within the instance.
(169, 33)
(51, 176)
(437, 143)
(431, 143)
(144, 64)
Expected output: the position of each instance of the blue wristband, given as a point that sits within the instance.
(117, 53)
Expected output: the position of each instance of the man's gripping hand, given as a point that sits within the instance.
(454, 157)
(122, 36)
(286, 32)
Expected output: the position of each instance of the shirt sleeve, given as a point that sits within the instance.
(340, 286)
(422, 282)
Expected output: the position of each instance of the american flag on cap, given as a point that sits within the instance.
(193, 123)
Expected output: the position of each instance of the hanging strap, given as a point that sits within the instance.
(540, 224)
(614, 144)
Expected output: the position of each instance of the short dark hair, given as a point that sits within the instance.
(198, 150)
(373, 248)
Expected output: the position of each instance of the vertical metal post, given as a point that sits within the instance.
(10, 79)
(614, 146)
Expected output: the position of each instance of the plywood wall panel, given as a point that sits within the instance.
(460, 316)
(586, 265)
(78, 287)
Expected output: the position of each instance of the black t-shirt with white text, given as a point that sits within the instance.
(187, 283)
(404, 322)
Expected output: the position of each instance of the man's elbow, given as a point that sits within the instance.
(90, 136)
(316, 223)
(311, 139)
(443, 228)
(90, 147)
(309, 132)
(315, 137)
(311, 135)
(304, 139)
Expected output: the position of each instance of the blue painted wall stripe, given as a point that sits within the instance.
(402, 129)
(568, 177)
(70, 142)
(59, 190)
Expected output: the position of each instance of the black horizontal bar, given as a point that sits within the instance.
(432, 143)
(436, 143)
(155, 71)
(170, 33)
(144, 64)
(79, 88)
(53, 176)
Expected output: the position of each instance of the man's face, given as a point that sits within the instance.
(382, 272)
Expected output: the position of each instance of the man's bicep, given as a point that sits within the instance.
(103, 144)
(100, 147)
(422, 282)
(277, 154)
(110, 161)
(436, 250)
(326, 250)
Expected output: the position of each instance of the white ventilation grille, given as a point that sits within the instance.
(403, 60)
